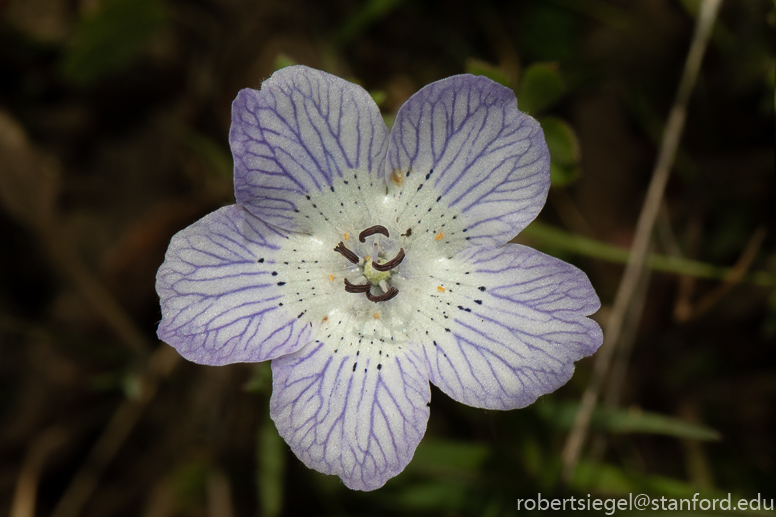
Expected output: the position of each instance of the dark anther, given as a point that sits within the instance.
(357, 288)
(340, 248)
(391, 263)
(371, 231)
(392, 292)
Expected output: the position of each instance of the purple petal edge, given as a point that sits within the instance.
(484, 157)
(219, 299)
(296, 135)
(520, 326)
(359, 416)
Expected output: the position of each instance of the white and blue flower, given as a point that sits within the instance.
(365, 263)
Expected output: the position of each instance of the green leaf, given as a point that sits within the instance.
(563, 144)
(432, 495)
(260, 380)
(477, 67)
(610, 479)
(542, 86)
(108, 40)
(562, 175)
(561, 139)
(627, 421)
(215, 156)
(450, 454)
(378, 96)
(283, 60)
(271, 465)
(636, 421)
(368, 14)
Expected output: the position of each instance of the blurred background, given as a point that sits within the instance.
(114, 117)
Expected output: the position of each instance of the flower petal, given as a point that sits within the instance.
(350, 408)
(486, 159)
(506, 325)
(301, 131)
(221, 302)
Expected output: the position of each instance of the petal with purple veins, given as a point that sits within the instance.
(356, 410)
(302, 131)
(476, 152)
(221, 302)
(508, 326)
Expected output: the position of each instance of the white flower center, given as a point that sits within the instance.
(373, 269)
(375, 276)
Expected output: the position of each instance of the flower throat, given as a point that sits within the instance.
(376, 274)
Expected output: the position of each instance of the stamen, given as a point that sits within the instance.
(357, 288)
(392, 292)
(371, 231)
(391, 263)
(340, 248)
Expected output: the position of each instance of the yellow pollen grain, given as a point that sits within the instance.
(325, 318)
(440, 289)
(366, 259)
(347, 236)
(439, 236)
(331, 277)
(376, 316)
(397, 178)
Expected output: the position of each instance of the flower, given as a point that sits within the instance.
(365, 264)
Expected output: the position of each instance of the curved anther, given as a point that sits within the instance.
(392, 292)
(371, 231)
(357, 288)
(340, 248)
(387, 266)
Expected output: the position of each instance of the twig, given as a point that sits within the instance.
(627, 339)
(160, 365)
(622, 358)
(738, 272)
(24, 497)
(646, 222)
(683, 304)
(64, 258)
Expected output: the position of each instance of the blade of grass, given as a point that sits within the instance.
(546, 235)
(632, 420)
